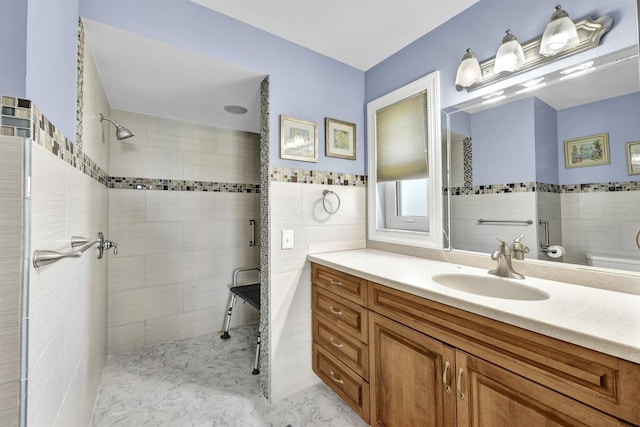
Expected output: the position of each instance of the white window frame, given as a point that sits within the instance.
(433, 238)
(398, 222)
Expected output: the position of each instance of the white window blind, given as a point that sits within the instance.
(402, 139)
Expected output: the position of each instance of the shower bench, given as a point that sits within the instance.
(250, 294)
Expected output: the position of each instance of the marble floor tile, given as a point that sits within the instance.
(206, 381)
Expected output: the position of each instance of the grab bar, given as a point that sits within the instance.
(46, 257)
(252, 224)
(505, 221)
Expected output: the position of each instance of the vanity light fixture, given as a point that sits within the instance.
(559, 35)
(469, 72)
(561, 38)
(510, 56)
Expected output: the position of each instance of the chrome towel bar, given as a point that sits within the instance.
(504, 221)
(46, 257)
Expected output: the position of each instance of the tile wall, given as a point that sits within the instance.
(180, 200)
(67, 305)
(298, 207)
(11, 151)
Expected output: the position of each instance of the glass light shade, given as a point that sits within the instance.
(469, 71)
(560, 34)
(510, 56)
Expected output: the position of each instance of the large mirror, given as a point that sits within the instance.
(548, 159)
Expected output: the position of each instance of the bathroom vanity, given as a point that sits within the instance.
(402, 349)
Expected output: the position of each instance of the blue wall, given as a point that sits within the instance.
(52, 52)
(618, 117)
(481, 28)
(546, 136)
(303, 84)
(13, 47)
(504, 144)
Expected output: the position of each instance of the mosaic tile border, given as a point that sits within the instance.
(265, 245)
(602, 187)
(128, 183)
(541, 187)
(305, 176)
(80, 86)
(45, 134)
(467, 155)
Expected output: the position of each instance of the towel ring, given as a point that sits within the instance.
(326, 193)
(637, 237)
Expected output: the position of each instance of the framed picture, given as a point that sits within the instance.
(298, 139)
(587, 151)
(633, 158)
(340, 139)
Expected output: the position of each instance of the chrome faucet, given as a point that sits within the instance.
(504, 267)
(518, 248)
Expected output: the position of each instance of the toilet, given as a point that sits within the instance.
(614, 261)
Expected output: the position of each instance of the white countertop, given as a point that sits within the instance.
(599, 319)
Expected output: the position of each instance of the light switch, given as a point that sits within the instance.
(287, 239)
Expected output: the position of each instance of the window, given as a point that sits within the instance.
(405, 196)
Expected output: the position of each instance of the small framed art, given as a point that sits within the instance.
(633, 158)
(340, 139)
(298, 139)
(590, 150)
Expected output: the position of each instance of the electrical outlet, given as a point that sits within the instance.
(287, 239)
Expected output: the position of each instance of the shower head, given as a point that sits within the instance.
(121, 131)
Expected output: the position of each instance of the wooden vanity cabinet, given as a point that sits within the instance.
(341, 335)
(434, 365)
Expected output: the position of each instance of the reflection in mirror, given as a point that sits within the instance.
(508, 166)
(405, 165)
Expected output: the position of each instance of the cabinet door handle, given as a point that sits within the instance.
(445, 378)
(335, 311)
(335, 343)
(333, 282)
(333, 377)
(459, 384)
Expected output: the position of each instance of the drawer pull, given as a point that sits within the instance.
(333, 282)
(338, 380)
(335, 311)
(445, 379)
(461, 395)
(336, 344)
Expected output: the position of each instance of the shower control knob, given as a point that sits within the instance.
(108, 244)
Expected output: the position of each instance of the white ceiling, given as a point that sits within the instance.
(147, 76)
(150, 77)
(360, 33)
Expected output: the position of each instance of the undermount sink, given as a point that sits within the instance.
(491, 286)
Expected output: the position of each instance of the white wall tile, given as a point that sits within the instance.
(214, 167)
(184, 136)
(131, 160)
(144, 304)
(202, 235)
(126, 272)
(141, 238)
(95, 135)
(126, 337)
(136, 123)
(126, 206)
(285, 204)
(182, 325)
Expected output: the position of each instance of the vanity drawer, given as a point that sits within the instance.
(350, 287)
(350, 351)
(347, 384)
(350, 318)
(594, 378)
